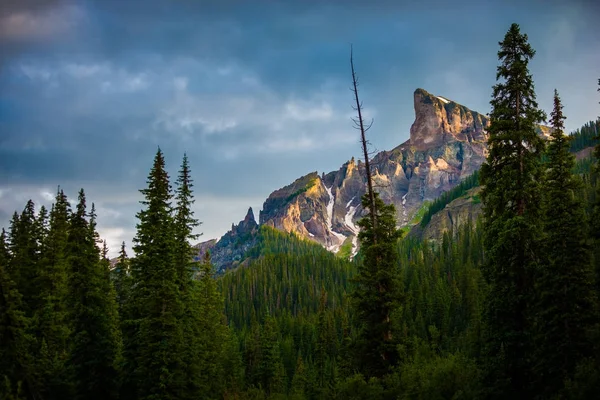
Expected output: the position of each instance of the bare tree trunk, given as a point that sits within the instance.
(361, 127)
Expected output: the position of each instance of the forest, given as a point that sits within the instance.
(504, 308)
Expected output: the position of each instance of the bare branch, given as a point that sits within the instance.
(360, 125)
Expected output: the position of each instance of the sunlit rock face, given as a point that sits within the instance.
(447, 143)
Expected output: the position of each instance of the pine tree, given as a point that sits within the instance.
(511, 178)
(95, 340)
(184, 225)
(207, 334)
(122, 278)
(192, 323)
(566, 308)
(322, 340)
(299, 381)
(52, 322)
(377, 290)
(269, 353)
(155, 342)
(24, 247)
(16, 380)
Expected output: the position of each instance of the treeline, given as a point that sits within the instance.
(586, 136)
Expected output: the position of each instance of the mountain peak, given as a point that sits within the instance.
(249, 216)
(439, 120)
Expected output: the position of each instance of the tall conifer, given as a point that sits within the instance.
(511, 178)
(566, 306)
(51, 322)
(155, 345)
(16, 380)
(377, 290)
(95, 340)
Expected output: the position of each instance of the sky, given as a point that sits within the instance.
(255, 92)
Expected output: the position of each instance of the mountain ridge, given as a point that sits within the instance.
(447, 143)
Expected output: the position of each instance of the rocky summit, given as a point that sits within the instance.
(447, 143)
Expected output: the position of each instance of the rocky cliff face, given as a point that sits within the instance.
(230, 249)
(458, 212)
(447, 143)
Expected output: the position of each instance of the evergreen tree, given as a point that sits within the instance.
(122, 278)
(300, 380)
(208, 333)
(51, 319)
(511, 178)
(24, 247)
(566, 309)
(95, 341)
(377, 290)
(184, 222)
(269, 353)
(154, 342)
(15, 362)
(184, 225)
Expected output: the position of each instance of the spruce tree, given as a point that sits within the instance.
(95, 339)
(51, 320)
(16, 380)
(269, 353)
(122, 278)
(566, 306)
(184, 223)
(154, 345)
(24, 247)
(511, 194)
(377, 290)
(212, 331)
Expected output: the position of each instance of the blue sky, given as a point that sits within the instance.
(256, 92)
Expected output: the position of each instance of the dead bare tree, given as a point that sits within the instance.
(359, 124)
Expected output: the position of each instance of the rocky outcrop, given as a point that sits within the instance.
(456, 213)
(439, 121)
(230, 249)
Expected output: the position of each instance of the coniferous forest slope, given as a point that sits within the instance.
(503, 304)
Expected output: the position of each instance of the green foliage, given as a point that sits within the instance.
(96, 338)
(565, 311)
(155, 348)
(304, 189)
(584, 137)
(439, 377)
(376, 290)
(511, 195)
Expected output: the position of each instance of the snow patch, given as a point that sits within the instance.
(446, 101)
(348, 220)
(404, 213)
(351, 200)
(310, 234)
(354, 247)
(335, 247)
